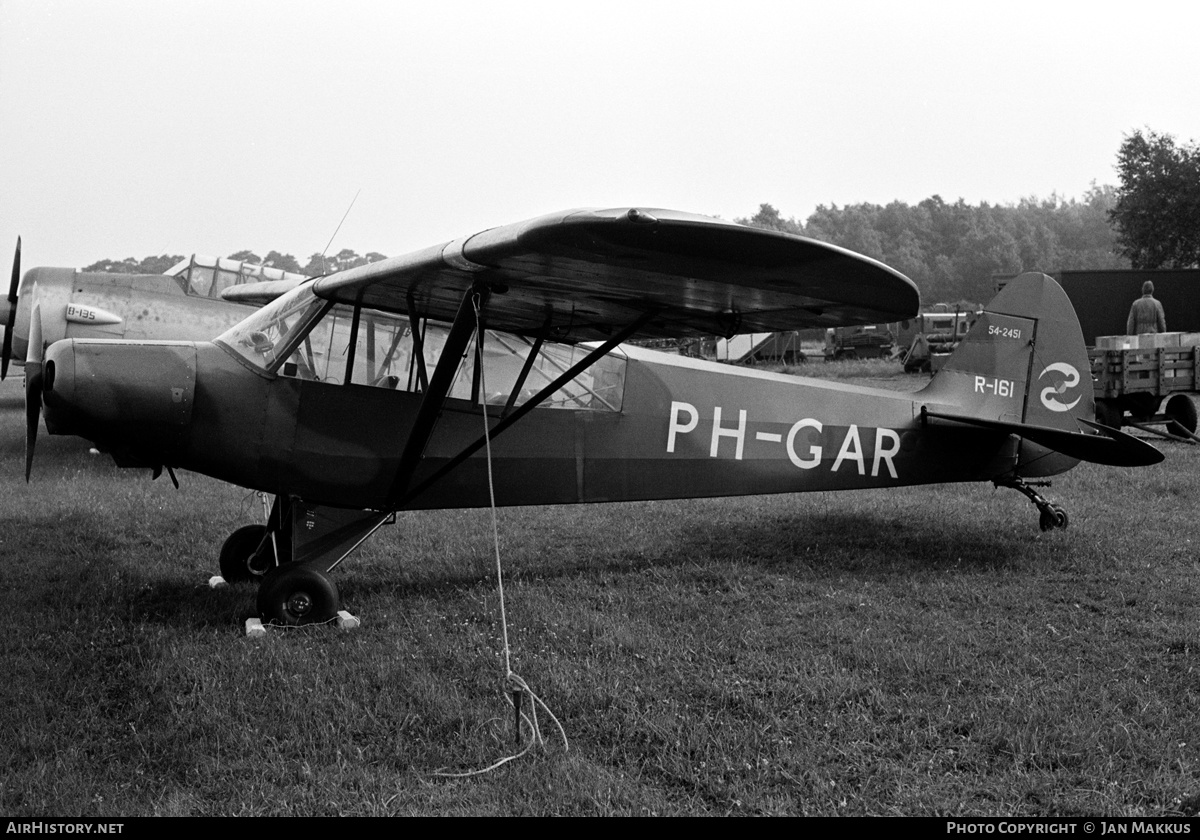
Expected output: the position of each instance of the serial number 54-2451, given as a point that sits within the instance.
(1004, 332)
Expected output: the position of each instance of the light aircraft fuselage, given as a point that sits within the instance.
(663, 426)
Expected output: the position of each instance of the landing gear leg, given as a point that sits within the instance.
(1051, 515)
(293, 554)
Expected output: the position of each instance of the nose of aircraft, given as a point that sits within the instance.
(133, 399)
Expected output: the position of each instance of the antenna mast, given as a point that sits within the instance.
(324, 268)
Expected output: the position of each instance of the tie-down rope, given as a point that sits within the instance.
(515, 686)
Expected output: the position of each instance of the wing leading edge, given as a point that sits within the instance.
(588, 273)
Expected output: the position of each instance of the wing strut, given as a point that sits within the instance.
(528, 366)
(439, 386)
(533, 402)
(418, 342)
(355, 321)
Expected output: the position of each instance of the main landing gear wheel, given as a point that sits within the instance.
(240, 555)
(297, 594)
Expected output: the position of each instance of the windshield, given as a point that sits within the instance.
(268, 335)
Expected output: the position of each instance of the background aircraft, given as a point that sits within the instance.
(366, 392)
(196, 299)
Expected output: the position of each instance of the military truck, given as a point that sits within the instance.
(926, 341)
(863, 342)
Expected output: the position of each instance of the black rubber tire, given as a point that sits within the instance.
(292, 595)
(1140, 405)
(1181, 409)
(238, 550)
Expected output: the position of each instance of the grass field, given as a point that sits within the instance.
(918, 651)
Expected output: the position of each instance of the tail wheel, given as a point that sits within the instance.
(296, 594)
(1060, 516)
(1182, 410)
(1053, 516)
(239, 551)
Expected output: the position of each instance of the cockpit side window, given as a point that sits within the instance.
(200, 280)
(380, 355)
(304, 337)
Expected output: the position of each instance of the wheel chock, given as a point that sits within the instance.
(216, 582)
(345, 621)
(255, 628)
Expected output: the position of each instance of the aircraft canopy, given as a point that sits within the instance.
(204, 276)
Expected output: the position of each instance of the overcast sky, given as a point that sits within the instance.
(139, 127)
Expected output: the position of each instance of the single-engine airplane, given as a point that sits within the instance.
(362, 393)
(196, 299)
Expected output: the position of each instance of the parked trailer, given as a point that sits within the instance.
(1146, 381)
(1147, 386)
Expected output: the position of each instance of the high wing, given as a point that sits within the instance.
(582, 275)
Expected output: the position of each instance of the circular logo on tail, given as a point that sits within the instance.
(1050, 396)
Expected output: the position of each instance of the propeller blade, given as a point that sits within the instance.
(33, 414)
(33, 387)
(6, 353)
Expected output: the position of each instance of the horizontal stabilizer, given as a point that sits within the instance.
(1111, 447)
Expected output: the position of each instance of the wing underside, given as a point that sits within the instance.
(585, 274)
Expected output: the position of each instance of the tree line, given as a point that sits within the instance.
(317, 264)
(953, 251)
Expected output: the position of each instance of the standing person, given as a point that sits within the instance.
(1146, 314)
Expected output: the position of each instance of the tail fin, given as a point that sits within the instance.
(1023, 368)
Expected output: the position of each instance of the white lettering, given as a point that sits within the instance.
(738, 434)
(815, 459)
(676, 427)
(888, 454)
(851, 450)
